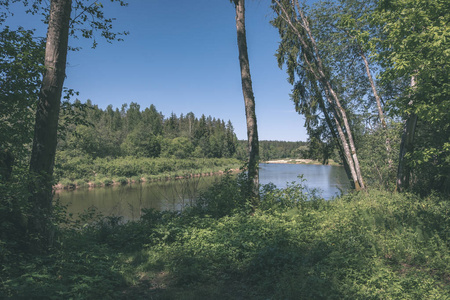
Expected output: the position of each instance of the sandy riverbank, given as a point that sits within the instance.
(299, 161)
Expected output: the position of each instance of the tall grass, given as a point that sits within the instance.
(374, 245)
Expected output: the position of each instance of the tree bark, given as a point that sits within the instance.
(347, 155)
(46, 123)
(406, 146)
(345, 159)
(343, 116)
(249, 100)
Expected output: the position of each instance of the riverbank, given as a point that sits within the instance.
(87, 172)
(122, 181)
(108, 172)
(304, 161)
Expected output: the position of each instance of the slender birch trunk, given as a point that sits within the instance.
(345, 148)
(327, 84)
(249, 100)
(315, 66)
(345, 159)
(380, 109)
(348, 131)
(46, 124)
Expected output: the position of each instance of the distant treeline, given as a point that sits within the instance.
(106, 145)
(109, 145)
(132, 131)
(269, 150)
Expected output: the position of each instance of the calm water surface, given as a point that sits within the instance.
(128, 200)
(329, 180)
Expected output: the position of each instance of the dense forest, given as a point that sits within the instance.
(112, 145)
(371, 93)
(371, 79)
(131, 131)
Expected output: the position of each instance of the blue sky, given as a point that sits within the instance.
(182, 56)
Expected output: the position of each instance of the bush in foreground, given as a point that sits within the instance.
(374, 245)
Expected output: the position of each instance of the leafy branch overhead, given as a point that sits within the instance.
(87, 18)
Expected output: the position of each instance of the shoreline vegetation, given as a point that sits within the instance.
(136, 179)
(300, 161)
(101, 172)
(228, 165)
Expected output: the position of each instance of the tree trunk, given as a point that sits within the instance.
(46, 124)
(340, 112)
(344, 148)
(406, 146)
(315, 66)
(346, 153)
(249, 99)
(380, 109)
(346, 159)
(343, 116)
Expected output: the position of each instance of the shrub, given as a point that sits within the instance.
(294, 195)
(107, 182)
(122, 180)
(224, 197)
(67, 183)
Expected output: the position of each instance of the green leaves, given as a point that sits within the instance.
(414, 42)
(21, 67)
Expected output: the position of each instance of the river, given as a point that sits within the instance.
(128, 200)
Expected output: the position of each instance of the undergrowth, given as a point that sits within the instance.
(374, 245)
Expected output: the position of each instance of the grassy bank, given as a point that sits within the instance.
(374, 245)
(73, 172)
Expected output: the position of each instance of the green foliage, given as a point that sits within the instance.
(295, 195)
(82, 167)
(180, 147)
(415, 43)
(371, 245)
(14, 210)
(366, 245)
(400, 39)
(141, 143)
(146, 133)
(269, 150)
(374, 157)
(361, 246)
(21, 66)
(130, 142)
(223, 198)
